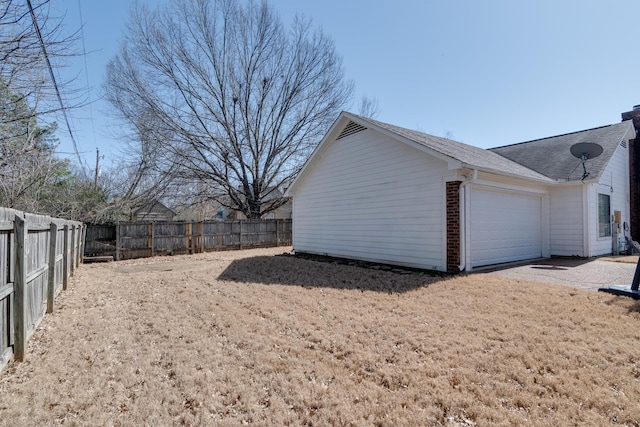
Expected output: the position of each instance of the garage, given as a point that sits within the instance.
(505, 226)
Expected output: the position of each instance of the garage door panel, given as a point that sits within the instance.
(504, 227)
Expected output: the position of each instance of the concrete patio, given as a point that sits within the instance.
(588, 274)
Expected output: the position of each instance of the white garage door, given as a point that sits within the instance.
(504, 227)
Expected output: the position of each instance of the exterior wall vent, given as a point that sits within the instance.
(624, 144)
(350, 129)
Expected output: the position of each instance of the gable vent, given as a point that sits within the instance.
(624, 144)
(350, 129)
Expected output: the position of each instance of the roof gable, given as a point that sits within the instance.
(546, 160)
(153, 206)
(468, 155)
(551, 156)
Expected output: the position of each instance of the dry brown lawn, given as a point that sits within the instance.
(247, 337)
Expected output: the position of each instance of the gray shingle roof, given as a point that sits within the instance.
(552, 158)
(470, 156)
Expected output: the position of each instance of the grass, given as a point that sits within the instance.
(247, 337)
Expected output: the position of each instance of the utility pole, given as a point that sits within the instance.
(95, 179)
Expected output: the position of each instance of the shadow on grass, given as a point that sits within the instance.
(634, 307)
(630, 304)
(295, 271)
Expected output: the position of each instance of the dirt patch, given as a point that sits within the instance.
(248, 337)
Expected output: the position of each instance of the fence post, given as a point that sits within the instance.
(152, 236)
(19, 289)
(118, 241)
(53, 237)
(83, 242)
(78, 244)
(65, 258)
(188, 233)
(72, 257)
(193, 239)
(277, 235)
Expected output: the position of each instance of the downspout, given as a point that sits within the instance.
(462, 194)
(586, 218)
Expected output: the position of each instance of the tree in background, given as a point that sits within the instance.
(228, 100)
(27, 161)
(31, 44)
(369, 107)
(32, 177)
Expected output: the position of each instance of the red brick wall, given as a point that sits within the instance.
(453, 226)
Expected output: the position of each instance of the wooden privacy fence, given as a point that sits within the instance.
(140, 239)
(38, 254)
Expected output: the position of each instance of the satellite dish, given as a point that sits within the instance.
(585, 151)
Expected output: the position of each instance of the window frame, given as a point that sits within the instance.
(604, 226)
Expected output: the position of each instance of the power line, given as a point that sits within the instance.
(86, 73)
(53, 80)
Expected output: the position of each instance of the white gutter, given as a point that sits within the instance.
(462, 194)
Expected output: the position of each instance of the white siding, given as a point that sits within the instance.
(615, 183)
(505, 226)
(566, 224)
(372, 198)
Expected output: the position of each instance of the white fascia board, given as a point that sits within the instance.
(543, 180)
(631, 132)
(451, 162)
(333, 133)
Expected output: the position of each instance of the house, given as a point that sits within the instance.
(152, 211)
(377, 192)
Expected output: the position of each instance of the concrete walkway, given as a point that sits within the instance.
(589, 274)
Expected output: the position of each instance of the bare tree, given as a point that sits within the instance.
(369, 107)
(27, 163)
(31, 42)
(237, 101)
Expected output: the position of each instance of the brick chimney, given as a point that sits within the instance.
(634, 174)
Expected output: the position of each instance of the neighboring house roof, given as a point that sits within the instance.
(552, 158)
(272, 193)
(153, 206)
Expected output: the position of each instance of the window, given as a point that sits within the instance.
(604, 216)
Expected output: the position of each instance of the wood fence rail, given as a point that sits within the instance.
(38, 254)
(140, 239)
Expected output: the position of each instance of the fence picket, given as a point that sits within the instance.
(140, 239)
(51, 282)
(19, 289)
(29, 277)
(65, 258)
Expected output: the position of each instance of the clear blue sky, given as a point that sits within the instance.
(487, 73)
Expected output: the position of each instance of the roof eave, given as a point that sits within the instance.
(452, 163)
(629, 135)
(541, 179)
